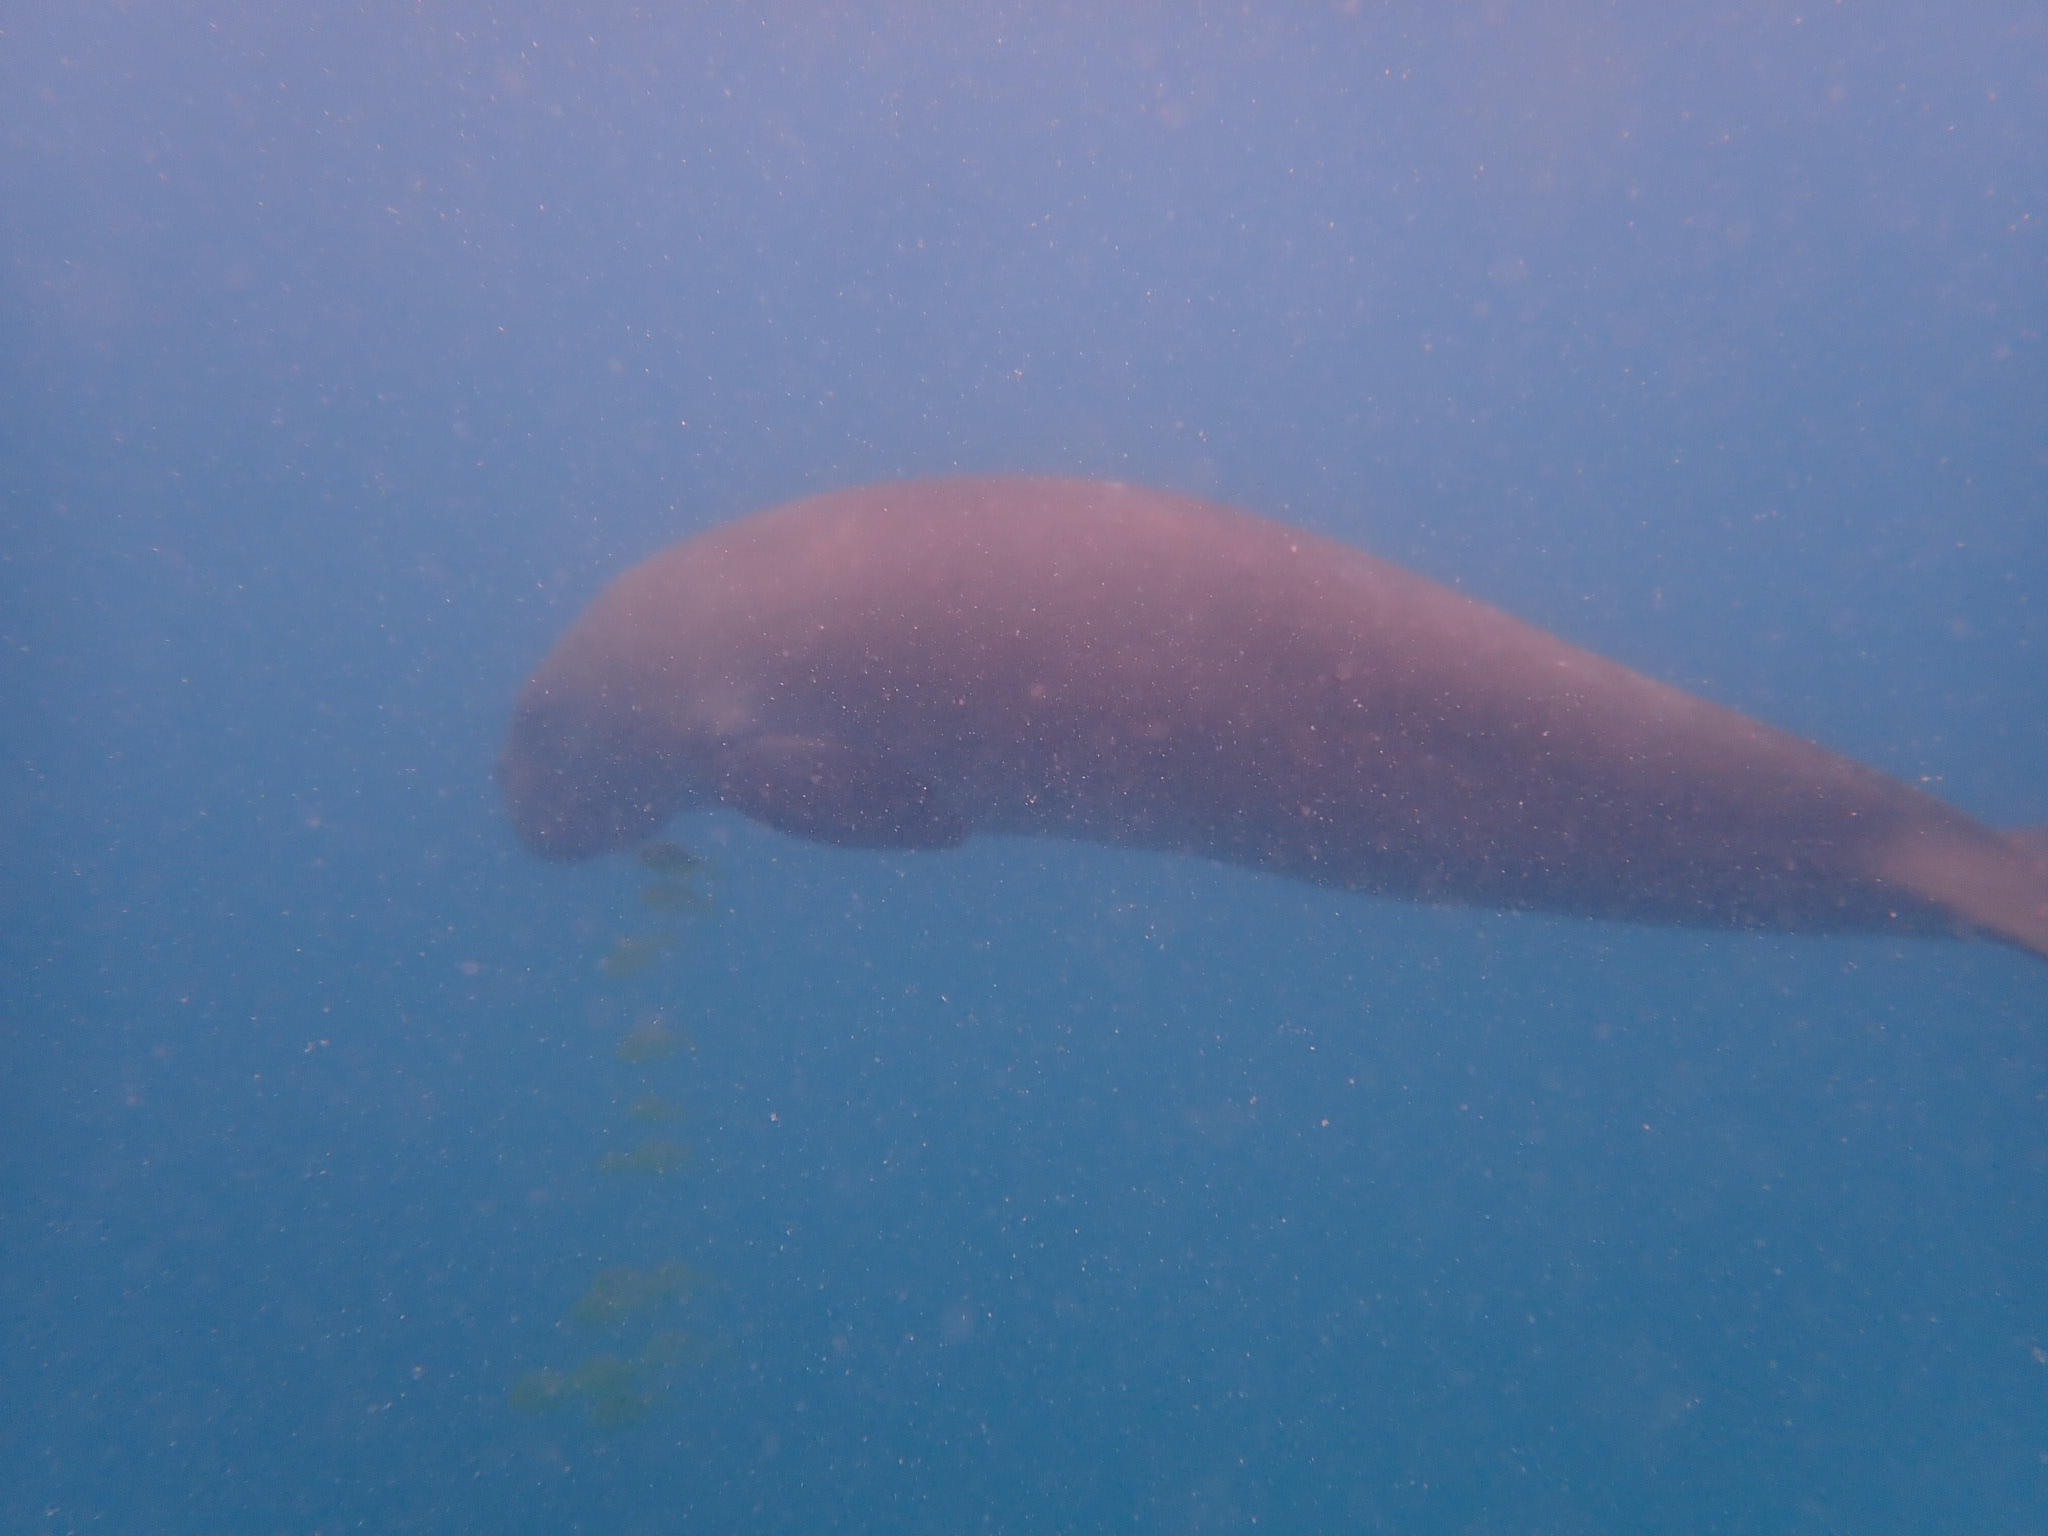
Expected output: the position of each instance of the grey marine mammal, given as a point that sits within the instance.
(904, 665)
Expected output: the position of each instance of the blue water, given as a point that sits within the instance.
(348, 349)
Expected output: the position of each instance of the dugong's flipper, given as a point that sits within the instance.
(834, 792)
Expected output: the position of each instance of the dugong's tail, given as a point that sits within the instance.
(1997, 884)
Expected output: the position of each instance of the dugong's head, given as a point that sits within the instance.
(593, 770)
(614, 733)
(583, 776)
(735, 667)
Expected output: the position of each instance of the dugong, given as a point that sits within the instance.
(904, 665)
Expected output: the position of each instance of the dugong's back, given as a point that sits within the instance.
(906, 664)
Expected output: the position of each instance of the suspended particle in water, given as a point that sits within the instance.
(652, 1041)
(650, 1157)
(634, 954)
(667, 858)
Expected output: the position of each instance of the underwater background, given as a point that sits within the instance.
(358, 1172)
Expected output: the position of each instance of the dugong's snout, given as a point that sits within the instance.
(578, 787)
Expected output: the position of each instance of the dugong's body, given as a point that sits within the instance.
(903, 665)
